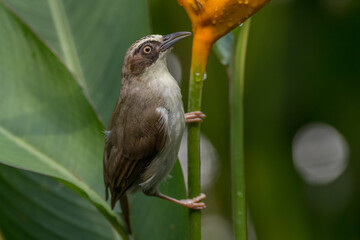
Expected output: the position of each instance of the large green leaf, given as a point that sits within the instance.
(48, 125)
(101, 30)
(38, 207)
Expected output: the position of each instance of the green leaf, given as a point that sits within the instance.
(237, 157)
(223, 48)
(37, 207)
(47, 125)
(59, 134)
(101, 30)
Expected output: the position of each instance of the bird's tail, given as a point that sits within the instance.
(124, 204)
(125, 211)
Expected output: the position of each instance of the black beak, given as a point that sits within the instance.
(170, 39)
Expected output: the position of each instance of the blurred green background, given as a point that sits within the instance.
(303, 67)
(302, 117)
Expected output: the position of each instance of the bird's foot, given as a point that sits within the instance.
(193, 203)
(196, 116)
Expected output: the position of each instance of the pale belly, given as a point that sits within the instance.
(161, 166)
(163, 163)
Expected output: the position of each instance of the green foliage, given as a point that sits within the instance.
(38, 207)
(49, 126)
(238, 184)
(301, 66)
(223, 48)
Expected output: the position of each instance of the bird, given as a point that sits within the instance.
(145, 130)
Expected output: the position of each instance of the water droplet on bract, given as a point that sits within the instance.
(197, 77)
(205, 76)
(241, 24)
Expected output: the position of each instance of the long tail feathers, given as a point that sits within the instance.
(124, 204)
(125, 211)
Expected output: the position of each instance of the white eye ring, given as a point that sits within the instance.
(147, 49)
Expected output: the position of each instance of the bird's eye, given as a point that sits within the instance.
(147, 49)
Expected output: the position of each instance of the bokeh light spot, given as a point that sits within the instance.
(320, 153)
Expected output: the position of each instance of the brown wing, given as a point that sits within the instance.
(136, 134)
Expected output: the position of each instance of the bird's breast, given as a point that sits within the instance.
(169, 91)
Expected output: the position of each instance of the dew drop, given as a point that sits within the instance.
(241, 24)
(205, 76)
(198, 77)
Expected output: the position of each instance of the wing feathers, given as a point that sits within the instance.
(136, 136)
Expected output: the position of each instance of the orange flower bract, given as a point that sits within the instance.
(212, 19)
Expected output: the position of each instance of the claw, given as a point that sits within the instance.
(194, 203)
(196, 116)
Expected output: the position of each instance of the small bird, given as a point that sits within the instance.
(146, 126)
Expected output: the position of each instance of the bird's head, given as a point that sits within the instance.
(147, 51)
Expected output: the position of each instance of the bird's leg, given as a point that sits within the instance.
(193, 203)
(196, 116)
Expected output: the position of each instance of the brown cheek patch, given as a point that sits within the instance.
(139, 63)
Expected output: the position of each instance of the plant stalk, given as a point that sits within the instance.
(66, 40)
(200, 53)
(236, 89)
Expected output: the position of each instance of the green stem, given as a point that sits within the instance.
(237, 134)
(66, 40)
(198, 66)
(194, 184)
